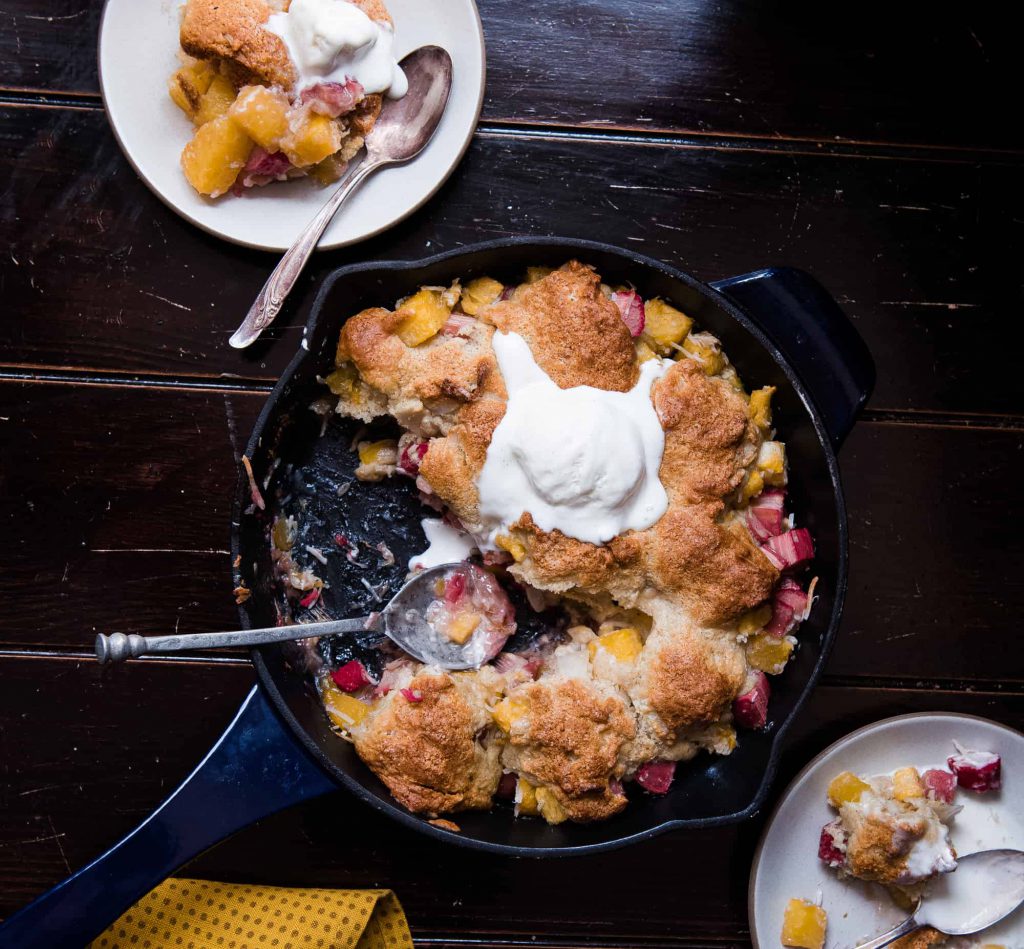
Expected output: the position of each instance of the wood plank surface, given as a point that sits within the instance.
(118, 500)
(101, 748)
(100, 276)
(770, 69)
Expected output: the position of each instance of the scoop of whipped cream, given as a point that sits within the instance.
(333, 40)
(582, 460)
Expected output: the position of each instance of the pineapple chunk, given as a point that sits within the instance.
(753, 620)
(664, 324)
(526, 799)
(804, 925)
(263, 114)
(644, 351)
(317, 137)
(188, 84)
(343, 710)
(383, 452)
(846, 788)
(906, 784)
(214, 157)
(771, 462)
(548, 805)
(510, 545)
(215, 101)
(621, 644)
(761, 407)
(462, 627)
(344, 382)
(533, 274)
(753, 485)
(767, 653)
(708, 355)
(424, 313)
(507, 712)
(480, 293)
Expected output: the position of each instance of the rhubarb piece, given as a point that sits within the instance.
(411, 456)
(751, 708)
(829, 844)
(506, 787)
(632, 309)
(458, 324)
(412, 695)
(655, 777)
(790, 549)
(454, 588)
(939, 785)
(765, 514)
(351, 677)
(333, 98)
(310, 598)
(976, 770)
(804, 925)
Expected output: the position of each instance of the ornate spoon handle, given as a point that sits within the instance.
(119, 646)
(271, 298)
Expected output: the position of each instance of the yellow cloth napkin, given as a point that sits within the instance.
(189, 914)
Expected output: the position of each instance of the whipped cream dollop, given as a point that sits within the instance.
(582, 460)
(333, 40)
(445, 544)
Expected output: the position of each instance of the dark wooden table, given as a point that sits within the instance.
(877, 149)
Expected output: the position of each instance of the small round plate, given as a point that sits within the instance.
(138, 49)
(786, 865)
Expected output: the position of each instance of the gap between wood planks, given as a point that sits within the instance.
(20, 373)
(604, 133)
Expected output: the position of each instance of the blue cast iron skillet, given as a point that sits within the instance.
(778, 326)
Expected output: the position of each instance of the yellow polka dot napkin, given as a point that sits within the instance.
(189, 914)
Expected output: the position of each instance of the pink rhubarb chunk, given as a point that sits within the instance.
(939, 785)
(977, 770)
(828, 845)
(333, 98)
(656, 777)
(351, 677)
(751, 708)
(790, 549)
(632, 309)
(765, 514)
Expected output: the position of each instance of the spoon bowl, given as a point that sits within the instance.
(415, 619)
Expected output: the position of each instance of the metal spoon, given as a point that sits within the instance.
(402, 130)
(990, 882)
(402, 621)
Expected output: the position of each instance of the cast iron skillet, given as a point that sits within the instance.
(778, 326)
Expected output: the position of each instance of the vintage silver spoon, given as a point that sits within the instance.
(984, 888)
(402, 130)
(401, 621)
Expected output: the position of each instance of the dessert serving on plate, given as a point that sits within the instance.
(280, 90)
(602, 458)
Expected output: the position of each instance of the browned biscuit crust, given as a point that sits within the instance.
(878, 851)
(427, 752)
(575, 332)
(922, 939)
(571, 741)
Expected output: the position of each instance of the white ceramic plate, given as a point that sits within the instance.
(138, 52)
(786, 865)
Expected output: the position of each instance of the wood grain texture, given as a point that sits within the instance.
(77, 778)
(921, 254)
(118, 498)
(771, 69)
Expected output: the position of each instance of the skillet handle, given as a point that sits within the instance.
(255, 769)
(803, 320)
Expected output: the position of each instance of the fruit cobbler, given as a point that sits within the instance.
(601, 459)
(278, 89)
(893, 829)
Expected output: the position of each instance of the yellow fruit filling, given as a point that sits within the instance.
(761, 407)
(768, 653)
(188, 85)
(511, 546)
(664, 324)
(263, 114)
(315, 139)
(217, 152)
(370, 453)
(215, 101)
(423, 315)
(526, 799)
(462, 627)
(846, 788)
(753, 620)
(621, 644)
(804, 925)
(507, 712)
(344, 710)
(906, 784)
(480, 293)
